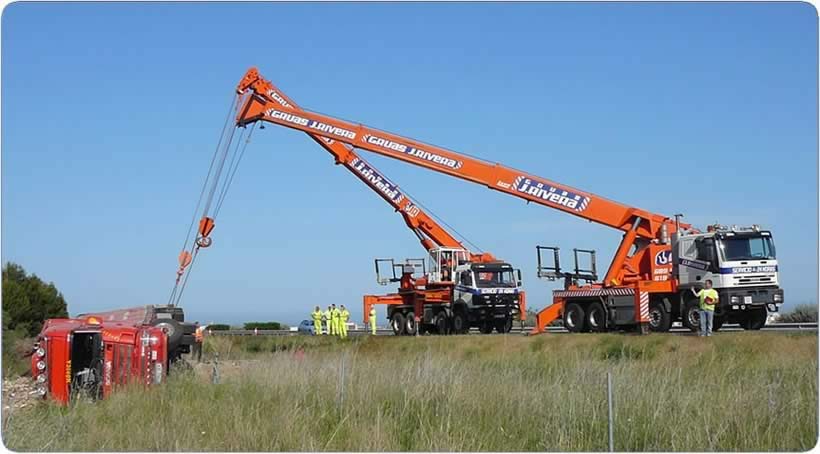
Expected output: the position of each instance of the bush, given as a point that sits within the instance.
(803, 313)
(219, 327)
(264, 325)
(28, 301)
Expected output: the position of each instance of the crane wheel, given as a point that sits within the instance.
(485, 327)
(659, 319)
(574, 318)
(691, 317)
(504, 326)
(754, 320)
(442, 325)
(410, 325)
(461, 324)
(596, 317)
(397, 323)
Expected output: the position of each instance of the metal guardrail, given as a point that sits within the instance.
(516, 329)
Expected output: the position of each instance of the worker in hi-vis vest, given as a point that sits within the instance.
(199, 338)
(317, 321)
(334, 320)
(326, 318)
(708, 298)
(344, 316)
(372, 320)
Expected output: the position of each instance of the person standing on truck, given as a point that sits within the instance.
(334, 319)
(199, 337)
(326, 315)
(372, 320)
(344, 316)
(317, 321)
(708, 298)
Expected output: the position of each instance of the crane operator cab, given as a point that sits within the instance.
(742, 265)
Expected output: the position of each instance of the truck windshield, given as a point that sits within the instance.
(495, 278)
(747, 248)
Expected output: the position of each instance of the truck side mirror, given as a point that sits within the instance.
(518, 274)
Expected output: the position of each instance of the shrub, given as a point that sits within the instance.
(219, 327)
(263, 325)
(803, 313)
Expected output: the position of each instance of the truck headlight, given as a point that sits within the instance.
(735, 299)
(41, 391)
(41, 365)
(41, 378)
(778, 297)
(41, 352)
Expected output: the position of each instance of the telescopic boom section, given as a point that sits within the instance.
(495, 176)
(429, 232)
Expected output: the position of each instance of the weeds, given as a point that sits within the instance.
(731, 392)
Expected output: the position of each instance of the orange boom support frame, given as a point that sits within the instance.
(640, 268)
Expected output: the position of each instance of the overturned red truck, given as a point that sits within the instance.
(92, 354)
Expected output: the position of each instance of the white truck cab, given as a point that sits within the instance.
(741, 263)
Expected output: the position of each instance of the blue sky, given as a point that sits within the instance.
(110, 114)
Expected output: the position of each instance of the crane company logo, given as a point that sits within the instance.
(663, 258)
(551, 193)
(313, 124)
(411, 210)
(412, 151)
(278, 98)
(382, 184)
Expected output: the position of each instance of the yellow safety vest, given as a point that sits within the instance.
(710, 293)
(317, 316)
(345, 315)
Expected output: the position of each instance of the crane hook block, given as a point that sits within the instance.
(184, 259)
(204, 241)
(206, 224)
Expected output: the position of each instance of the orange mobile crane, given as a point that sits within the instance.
(658, 263)
(462, 289)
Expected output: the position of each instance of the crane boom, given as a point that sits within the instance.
(262, 101)
(429, 232)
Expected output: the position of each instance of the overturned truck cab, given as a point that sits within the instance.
(93, 354)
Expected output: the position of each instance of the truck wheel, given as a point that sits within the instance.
(442, 325)
(754, 320)
(397, 323)
(410, 324)
(659, 320)
(596, 317)
(691, 317)
(504, 326)
(461, 324)
(574, 318)
(172, 329)
(485, 327)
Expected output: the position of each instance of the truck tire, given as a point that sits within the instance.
(659, 320)
(485, 327)
(397, 323)
(442, 324)
(504, 326)
(690, 316)
(410, 325)
(172, 329)
(596, 317)
(461, 324)
(717, 323)
(754, 320)
(574, 318)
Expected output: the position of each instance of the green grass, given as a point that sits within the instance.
(731, 392)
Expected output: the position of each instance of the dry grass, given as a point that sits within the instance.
(732, 392)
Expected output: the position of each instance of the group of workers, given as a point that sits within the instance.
(335, 320)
